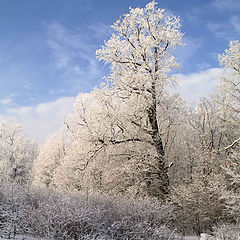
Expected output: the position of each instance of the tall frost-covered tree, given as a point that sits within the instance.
(140, 57)
(120, 137)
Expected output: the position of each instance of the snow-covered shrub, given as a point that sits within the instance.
(227, 232)
(12, 207)
(75, 216)
(54, 215)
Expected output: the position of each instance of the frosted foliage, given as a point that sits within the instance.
(230, 95)
(229, 82)
(105, 151)
(140, 49)
(16, 153)
(119, 136)
(232, 195)
(200, 202)
(105, 118)
(48, 160)
(231, 57)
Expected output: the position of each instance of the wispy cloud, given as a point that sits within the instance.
(228, 30)
(195, 15)
(73, 53)
(186, 53)
(101, 30)
(8, 100)
(5, 101)
(223, 5)
(44, 119)
(235, 22)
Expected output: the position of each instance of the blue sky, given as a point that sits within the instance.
(47, 52)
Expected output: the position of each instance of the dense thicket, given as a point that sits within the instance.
(51, 215)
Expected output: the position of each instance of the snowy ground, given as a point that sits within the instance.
(21, 237)
(191, 238)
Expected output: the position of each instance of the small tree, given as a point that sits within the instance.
(16, 153)
(49, 159)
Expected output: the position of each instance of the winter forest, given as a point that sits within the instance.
(133, 161)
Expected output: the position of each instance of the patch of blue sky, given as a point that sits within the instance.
(47, 48)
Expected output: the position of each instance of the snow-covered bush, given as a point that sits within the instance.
(12, 207)
(57, 216)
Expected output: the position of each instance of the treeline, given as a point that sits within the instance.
(133, 139)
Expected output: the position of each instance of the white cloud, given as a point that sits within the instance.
(193, 86)
(42, 120)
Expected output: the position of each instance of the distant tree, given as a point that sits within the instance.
(229, 101)
(201, 186)
(209, 193)
(48, 160)
(17, 153)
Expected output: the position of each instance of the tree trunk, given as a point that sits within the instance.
(162, 176)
